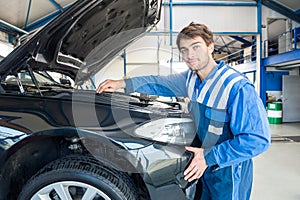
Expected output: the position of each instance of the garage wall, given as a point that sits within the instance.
(5, 49)
(217, 18)
(157, 54)
(150, 55)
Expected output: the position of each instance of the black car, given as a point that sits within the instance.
(59, 139)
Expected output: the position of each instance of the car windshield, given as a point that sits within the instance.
(33, 82)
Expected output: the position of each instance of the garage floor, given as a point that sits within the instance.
(277, 171)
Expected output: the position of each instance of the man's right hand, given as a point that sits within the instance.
(198, 165)
(110, 86)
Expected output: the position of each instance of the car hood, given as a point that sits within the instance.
(85, 37)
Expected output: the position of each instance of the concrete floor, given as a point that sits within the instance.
(277, 171)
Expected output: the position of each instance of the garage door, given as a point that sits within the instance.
(291, 98)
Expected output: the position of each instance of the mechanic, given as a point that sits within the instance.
(230, 117)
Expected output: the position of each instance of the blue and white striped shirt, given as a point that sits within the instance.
(223, 89)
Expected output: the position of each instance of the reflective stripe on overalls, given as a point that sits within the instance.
(208, 107)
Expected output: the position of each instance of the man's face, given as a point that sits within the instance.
(195, 52)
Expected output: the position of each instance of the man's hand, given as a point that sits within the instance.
(198, 165)
(110, 86)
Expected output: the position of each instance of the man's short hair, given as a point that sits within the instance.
(193, 30)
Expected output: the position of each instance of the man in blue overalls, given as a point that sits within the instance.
(230, 117)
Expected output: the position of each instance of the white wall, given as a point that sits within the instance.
(149, 55)
(5, 49)
(153, 54)
(217, 18)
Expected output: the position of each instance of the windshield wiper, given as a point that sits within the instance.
(34, 79)
(21, 88)
(57, 84)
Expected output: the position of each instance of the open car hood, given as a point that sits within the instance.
(84, 38)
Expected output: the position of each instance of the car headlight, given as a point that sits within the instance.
(169, 130)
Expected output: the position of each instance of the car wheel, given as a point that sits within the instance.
(78, 177)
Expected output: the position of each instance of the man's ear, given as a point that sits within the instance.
(211, 47)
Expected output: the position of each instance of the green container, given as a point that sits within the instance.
(275, 112)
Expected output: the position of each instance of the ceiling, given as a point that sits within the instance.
(23, 16)
(294, 5)
(25, 13)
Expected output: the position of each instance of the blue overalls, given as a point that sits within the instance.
(231, 125)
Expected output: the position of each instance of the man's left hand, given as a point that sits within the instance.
(197, 166)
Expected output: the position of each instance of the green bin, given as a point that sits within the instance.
(275, 112)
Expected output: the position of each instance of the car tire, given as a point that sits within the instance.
(75, 176)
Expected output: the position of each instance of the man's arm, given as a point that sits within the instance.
(172, 85)
(250, 128)
(252, 136)
(111, 86)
